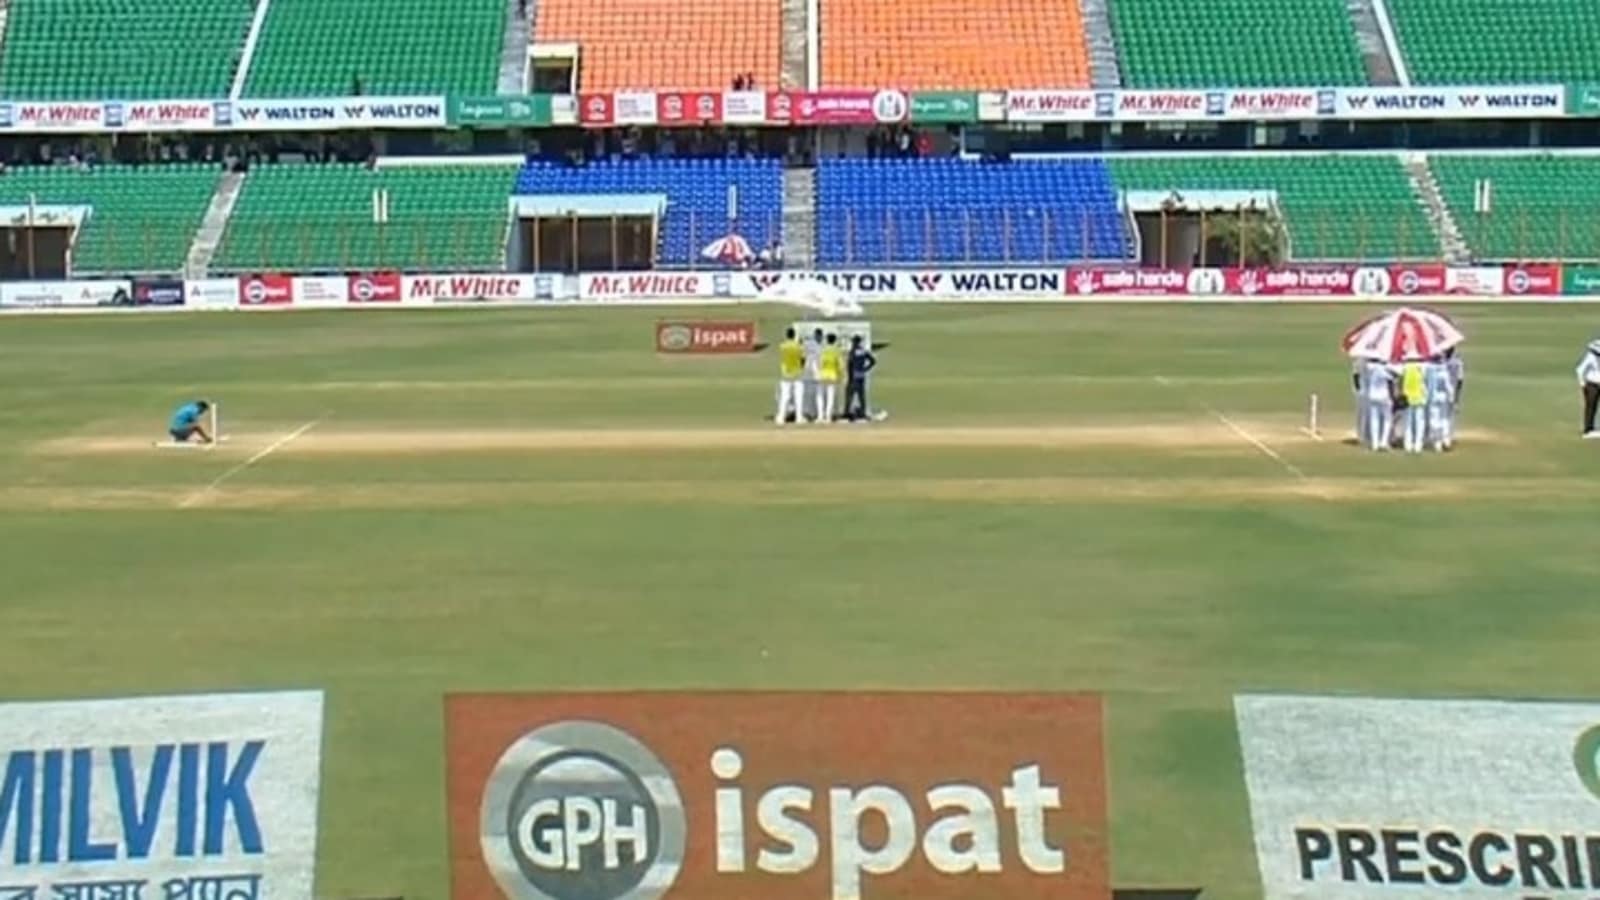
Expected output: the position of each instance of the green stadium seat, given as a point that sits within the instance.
(144, 218)
(122, 49)
(320, 218)
(1350, 208)
(317, 48)
(1235, 43)
(1543, 206)
(1498, 41)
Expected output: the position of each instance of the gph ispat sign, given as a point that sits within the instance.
(778, 796)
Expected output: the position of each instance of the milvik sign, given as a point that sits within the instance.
(781, 796)
(160, 798)
(1371, 799)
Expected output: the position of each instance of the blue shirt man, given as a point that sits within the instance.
(858, 364)
(186, 422)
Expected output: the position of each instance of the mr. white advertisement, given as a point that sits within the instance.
(1360, 799)
(187, 798)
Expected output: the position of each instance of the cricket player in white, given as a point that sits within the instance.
(1357, 368)
(1441, 403)
(1377, 379)
(811, 407)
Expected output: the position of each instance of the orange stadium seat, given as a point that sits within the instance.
(953, 44)
(687, 45)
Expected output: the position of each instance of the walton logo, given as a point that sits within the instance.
(1586, 759)
(582, 811)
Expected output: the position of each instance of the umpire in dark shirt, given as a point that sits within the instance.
(858, 365)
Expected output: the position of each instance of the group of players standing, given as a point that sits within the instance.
(1423, 394)
(809, 372)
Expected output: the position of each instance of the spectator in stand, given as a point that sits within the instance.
(355, 84)
(738, 82)
(924, 144)
(775, 254)
(903, 143)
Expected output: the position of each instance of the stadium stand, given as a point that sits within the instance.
(320, 48)
(320, 217)
(1236, 43)
(99, 49)
(684, 45)
(1495, 42)
(1334, 207)
(143, 218)
(1543, 206)
(953, 44)
(911, 212)
(697, 196)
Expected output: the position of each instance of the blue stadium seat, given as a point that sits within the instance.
(919, 211)
(697, 196)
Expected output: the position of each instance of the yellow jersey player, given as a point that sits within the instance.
(830, 368)
(791, 368)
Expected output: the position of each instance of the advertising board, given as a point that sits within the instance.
(1367, 799)
(784, 796)
(916, 284)
(65, 294)
(178, 797)
(705, 337)
(320, 290)
(267, 290)
(487, 288)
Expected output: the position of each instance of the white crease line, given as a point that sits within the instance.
(265, 452)
(1259, 444)
(1234, 427)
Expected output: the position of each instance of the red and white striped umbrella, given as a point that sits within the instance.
(730, 250)
(1402, 333)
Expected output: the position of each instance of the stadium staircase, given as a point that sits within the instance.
(213, 226)
(247, 55)
(514, 47)
(1426, 189)
(5, 14)
(1366, 16)
(800, 217)
(1105, 72)
(798, 48)
(1499, 41)
(1239, 43)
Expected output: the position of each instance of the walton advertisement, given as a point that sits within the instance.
(1372, 799)
(779, 796)
(208, 797)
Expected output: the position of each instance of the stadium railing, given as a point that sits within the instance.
(866, 239)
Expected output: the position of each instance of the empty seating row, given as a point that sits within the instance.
(700, 206)
(98, 49)
(687, 44)
(911, 212)
(952, 44)
(141, 219)
(323, 218)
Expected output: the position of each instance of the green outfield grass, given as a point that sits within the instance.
(1145, 544)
